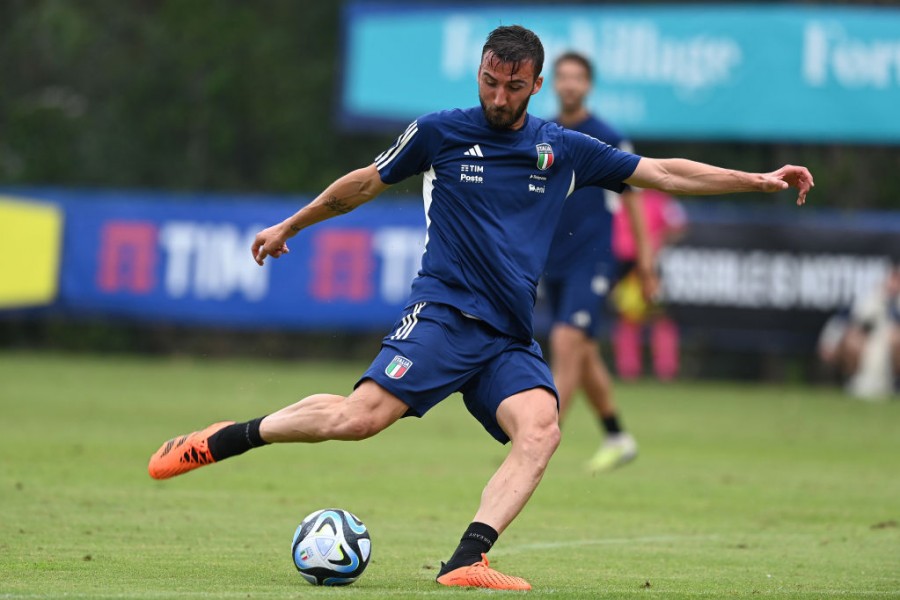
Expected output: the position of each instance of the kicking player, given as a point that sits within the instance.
(495, 181)
(580, 271)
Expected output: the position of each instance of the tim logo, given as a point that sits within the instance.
(545, 156)
(398, 367)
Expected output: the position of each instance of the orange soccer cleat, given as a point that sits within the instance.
(483, 576)
(182, 454)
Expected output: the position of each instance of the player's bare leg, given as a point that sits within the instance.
(530, 420)
(368, 410)
(365, 412)
(567, 360)
(597, 382)
(619, 447)
(576, 362)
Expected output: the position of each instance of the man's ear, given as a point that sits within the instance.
(537, 85)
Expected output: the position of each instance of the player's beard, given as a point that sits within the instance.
(503, 118)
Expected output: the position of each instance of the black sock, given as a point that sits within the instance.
(235, 439)
(477, 540)
(611, 424)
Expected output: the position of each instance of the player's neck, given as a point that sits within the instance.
(573, 117)
(520, 123)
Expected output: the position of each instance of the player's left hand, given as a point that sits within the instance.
(789, 176)
(271, 241)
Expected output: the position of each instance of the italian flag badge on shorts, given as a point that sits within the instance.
(398, 367)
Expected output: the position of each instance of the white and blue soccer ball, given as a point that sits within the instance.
(331, 547)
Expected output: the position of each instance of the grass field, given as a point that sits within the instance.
(740, 491)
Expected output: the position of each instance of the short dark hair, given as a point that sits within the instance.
(513, 44)
(576, 57)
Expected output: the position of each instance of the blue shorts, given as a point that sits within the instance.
(434, 350)
(579, 298)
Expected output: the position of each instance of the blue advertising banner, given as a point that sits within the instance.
(149, 257)
(756, 277)
(756, 72)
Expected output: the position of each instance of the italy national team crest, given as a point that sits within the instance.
(398, 367)
(545, 156)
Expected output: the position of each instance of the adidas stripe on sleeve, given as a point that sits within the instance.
(384, 159)
(409, 155)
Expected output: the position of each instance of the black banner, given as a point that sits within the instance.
(770, 286)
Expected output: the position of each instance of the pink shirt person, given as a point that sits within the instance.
(665, 219)
(663, 215)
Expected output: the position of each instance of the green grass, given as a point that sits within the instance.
(740, 491)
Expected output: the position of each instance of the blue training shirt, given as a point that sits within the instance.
(584, 235)
(492, 202)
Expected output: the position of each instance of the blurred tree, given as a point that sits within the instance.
(200, 95)
(230, 95)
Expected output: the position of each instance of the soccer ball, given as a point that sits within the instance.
(331, 547)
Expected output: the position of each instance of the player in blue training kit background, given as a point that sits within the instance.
(581, 270)
(495, 182)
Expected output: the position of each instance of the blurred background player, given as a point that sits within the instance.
(580, 271)
(861, 345)
(665, 221)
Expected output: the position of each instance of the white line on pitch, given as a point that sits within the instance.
(650, 539)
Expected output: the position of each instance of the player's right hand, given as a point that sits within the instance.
(271, 241)
(789, 176)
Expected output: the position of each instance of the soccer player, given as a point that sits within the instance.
(495, 181)
(581, 270)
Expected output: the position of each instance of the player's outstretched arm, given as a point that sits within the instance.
(685, 177)
(350, 191)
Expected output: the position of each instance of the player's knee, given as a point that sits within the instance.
(553, 436)
(540, 441)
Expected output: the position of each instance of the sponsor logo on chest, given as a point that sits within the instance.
(471, 173)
